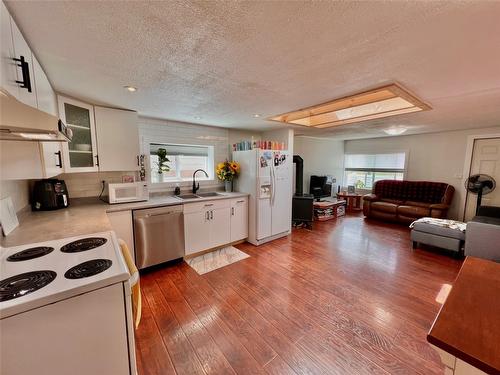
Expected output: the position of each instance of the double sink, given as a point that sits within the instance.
(198, 195)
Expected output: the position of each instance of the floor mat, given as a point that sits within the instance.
(216, 259)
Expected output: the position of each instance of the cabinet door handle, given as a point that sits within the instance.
(60, 165)
(138, 164)
(209, 205)
(26, 82)
(97, 160)
(207, 216)
(211, 215)
(232, 211)
(242, 201)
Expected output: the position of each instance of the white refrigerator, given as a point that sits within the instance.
(267, 176)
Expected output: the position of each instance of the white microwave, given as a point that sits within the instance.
(128, 192)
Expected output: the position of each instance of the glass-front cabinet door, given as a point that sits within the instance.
(81, 153)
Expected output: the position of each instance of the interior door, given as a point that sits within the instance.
(282, 197)
(485, 160)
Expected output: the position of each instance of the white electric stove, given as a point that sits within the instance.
(69, 302)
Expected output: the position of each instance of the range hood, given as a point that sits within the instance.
(20, 122)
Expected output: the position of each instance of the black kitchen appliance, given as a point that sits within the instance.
(50, 194)
(320, 187)
(302, 204)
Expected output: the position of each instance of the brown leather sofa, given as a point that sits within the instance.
(406, 201)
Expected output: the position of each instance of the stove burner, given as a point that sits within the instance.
(30, 253)
(87, 269)
(24, 283)
(83, 245)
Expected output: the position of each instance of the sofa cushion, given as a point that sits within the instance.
(384, 207)
(439, 230)
(416, 191)
(394, 201)
(418, 204)
(425, 191)
(413, 211)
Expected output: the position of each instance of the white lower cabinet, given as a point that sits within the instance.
(196, 230)
(206, 225)
(122, 224)
(214, 223)
(239, 219)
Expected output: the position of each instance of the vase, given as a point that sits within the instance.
(228, 186)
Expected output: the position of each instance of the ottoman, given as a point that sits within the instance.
(446, 234)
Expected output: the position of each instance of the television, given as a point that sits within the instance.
(320, 186)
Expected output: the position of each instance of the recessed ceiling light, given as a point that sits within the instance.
(395, 130)
(256, 115)
(382, 102)
(131, 88)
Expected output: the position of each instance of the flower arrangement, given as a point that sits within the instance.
(228, 170)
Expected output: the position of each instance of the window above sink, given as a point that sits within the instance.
(176, 162)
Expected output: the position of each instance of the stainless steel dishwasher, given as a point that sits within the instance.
(158, 235)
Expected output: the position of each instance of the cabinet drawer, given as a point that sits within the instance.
(206, 205)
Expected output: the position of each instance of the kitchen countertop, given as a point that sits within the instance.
(468, 324)
(84, 216)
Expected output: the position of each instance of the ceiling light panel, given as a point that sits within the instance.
(382, 102)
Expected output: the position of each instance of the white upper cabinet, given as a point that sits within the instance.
(8, 72)
(45, 95)
(52, 158)
(117, 139)
(21, 74)
(80, 155)
(25, 74)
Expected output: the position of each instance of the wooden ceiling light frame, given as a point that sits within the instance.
(392, 100)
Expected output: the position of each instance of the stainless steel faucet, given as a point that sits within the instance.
(197, 186)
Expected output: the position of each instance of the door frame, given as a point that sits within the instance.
(469, 150)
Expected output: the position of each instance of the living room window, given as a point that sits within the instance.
(175, 163)
(363, 170)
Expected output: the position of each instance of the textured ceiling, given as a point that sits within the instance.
(224, 61)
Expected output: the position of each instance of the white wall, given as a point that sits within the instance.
(284, 135)
(185, 133)
(237, 135)
(321, 157)
(18, 190)
(433, 157)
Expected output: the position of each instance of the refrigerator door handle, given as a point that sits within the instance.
(273, 184)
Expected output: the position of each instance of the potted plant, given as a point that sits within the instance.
(162, 161)
(227, 172)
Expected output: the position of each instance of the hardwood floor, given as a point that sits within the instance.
(349, 297)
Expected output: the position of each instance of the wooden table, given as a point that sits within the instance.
(353, 201)
(468, 325)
